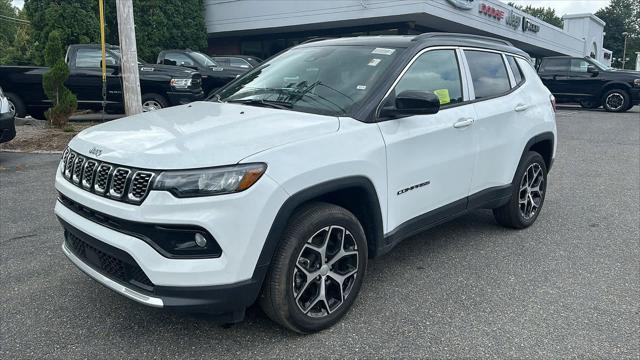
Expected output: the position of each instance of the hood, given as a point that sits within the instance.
(148, 70)
(201, 134)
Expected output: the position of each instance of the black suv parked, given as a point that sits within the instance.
(161, 86)
(214, 76)
(586, 81)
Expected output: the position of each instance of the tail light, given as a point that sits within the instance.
(553, 103)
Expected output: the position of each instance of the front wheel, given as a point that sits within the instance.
(529, 190)
(16, 106)
(317, 270)
(616, 100)
(151, 102)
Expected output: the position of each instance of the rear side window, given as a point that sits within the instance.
(515, 69)
(436, 71)
(488, 73)
(554, 66)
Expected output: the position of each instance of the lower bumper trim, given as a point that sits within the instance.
(117, 287)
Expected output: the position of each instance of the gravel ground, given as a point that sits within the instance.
(569, 286)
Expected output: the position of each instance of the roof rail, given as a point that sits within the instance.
(315, 39)
(432, 35)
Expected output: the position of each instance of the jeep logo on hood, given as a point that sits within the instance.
(95, 151)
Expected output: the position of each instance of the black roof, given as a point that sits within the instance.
(423, 40)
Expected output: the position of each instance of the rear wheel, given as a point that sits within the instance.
(529, 189)
(151, 102)
(318, 269)
(616, 100)
(590, 104)
(16, 106)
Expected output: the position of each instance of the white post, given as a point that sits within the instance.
(129, 61)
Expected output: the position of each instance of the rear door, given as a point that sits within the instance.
(499, 103)
(554, 73)
(429, 157)
(85, 78)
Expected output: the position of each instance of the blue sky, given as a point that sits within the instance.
(561, 6)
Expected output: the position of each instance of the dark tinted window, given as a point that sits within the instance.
(554, 65)
(515, 69)
(488, 73)
(436, 71)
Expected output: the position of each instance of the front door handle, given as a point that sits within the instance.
(521, 107)
(462, 123)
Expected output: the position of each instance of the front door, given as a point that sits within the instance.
(429, 157)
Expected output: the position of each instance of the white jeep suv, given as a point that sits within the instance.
(281, 187)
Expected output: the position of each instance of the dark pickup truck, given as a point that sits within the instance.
(586, 81)
(214, 76)
(160, 85)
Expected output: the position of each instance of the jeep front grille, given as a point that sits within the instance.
(113, 181)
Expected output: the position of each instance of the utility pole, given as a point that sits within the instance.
(129, 58)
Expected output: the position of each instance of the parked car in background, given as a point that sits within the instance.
(161, 85)
(214, 75)
(281, 187)
(7, 119)
(238, 61)
(589, 83)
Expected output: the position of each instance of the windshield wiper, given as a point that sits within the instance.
(264, 103)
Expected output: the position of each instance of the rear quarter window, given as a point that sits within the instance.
(515, 69)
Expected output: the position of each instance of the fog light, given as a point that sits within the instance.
(201, 240)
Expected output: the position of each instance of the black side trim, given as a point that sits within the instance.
(536, 139)
(161, 237)
(375, 234)
(485, 199)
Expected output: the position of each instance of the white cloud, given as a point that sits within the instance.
(563, 7)
(18, 3)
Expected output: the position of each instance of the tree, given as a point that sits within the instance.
(545, 14)
(7, 27)
(622, 16)
(64, 102)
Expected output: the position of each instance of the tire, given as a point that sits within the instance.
(616, 100)
(514, 214)
(38, 114)
(16, 103)
(151, 102)
(590, 104)
(288, 296)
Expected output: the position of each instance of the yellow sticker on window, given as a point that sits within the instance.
(443, 95)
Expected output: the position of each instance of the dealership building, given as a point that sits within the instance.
(264, 27)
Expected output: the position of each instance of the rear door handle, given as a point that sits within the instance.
(521, 107)
(463, 123)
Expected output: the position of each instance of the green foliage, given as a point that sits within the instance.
(14, 35)
(64, 102)
(622, 16)
(545, 14)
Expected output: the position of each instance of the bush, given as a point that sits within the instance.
(64, 102)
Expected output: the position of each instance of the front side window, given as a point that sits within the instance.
(91, 58)
(203, 59)
(579, 66)
(329, 80)
(435, 71)
(515, 69)
(174, 58)
(237, 62)
(488, 73)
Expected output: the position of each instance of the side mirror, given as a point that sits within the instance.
(592, 70)
(413, 102)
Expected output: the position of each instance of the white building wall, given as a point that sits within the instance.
(589, 28)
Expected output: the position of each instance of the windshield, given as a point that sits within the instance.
(600, 65)
(328, 80)
(203, 59)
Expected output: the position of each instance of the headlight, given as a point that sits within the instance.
(212, 181)
(180, 83)
(636, 82)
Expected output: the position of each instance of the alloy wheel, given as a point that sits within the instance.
(325, 271)
(531, 191)
(12, 108)
(151, 105)
(615, 101)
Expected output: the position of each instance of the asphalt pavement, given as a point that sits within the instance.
(569, 286)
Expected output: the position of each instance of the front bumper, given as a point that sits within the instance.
(184, 97)
(7, 127)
